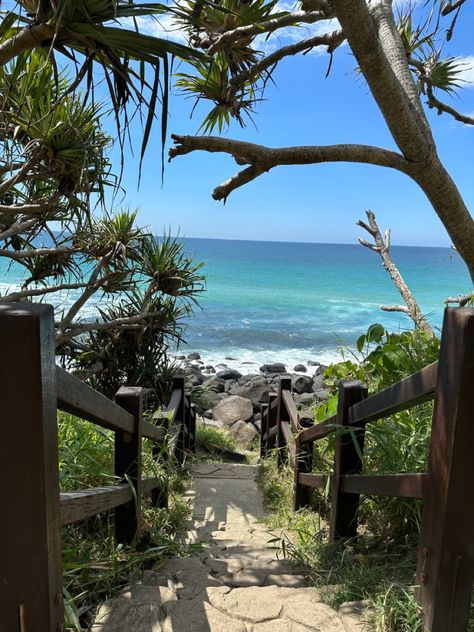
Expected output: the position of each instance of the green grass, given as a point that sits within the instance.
(371, 568)
(95, 567)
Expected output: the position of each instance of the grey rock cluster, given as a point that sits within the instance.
(235, 399)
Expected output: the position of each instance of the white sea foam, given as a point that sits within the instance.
(247, 361)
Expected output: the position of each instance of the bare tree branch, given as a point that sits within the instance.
(434, 102)
(382, 247)
(28, 38)
(332, 40)
(461, 300)
(21, 295)
(261, 158)
(18, 227)
(395, 308)
(38, 252)
(251, 30)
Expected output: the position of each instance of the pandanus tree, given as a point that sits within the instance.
(114, 285)
(401, 63)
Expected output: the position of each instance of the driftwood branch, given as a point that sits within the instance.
(381, 245)
(461, 300)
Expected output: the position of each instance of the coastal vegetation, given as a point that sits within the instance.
(377, 568)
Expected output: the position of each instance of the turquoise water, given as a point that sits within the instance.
(293, 302)
(273, 301)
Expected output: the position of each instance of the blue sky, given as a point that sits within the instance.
(319, 203)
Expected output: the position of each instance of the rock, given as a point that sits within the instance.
(229, 374)
(196, 615)
(305, 399)
(233, 408)
(243, 432)
(230, 358)
(276, 367)
(221, 366)
(311, 363)
(320, 370)
(256, 389)
(300, 367)
(322, 394)
(215, 383)
(194, 356)
(210, 368)
(318, 381)
(181, 357)
(302, 384)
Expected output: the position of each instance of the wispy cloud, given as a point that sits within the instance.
(163, 26)
(466, 67)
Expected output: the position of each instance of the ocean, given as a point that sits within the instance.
(294, 302)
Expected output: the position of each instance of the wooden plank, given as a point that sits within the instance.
(272, 420)
(303, 465)
(76, 506)
(172, 409)
(446, 560)
(289, 442)
(30, 555)
(79, 399)
(272, 432)
(128, 465)
(415, 389)
(150, 431)
(313, 480)
(319, 431)
(291, 409)
(347, 460)
(264, 431)
(282, 416)
(399, 485)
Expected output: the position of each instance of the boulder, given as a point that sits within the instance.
(302, 384)
(214, 383)
(243, 432)
(305, 399)
(230, 358)
(210, 369)
(276, 367)
(194, 356)
(322, 394)
(320, 370)
(257, 390)
(229, 374)
(318, 382)
(233, 408)
(181, 357)
(300, 367)
(311, 363)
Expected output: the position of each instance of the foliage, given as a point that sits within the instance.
(395, 444)
(210, 442)
(54, 163)
(373, 569)
(95, 567)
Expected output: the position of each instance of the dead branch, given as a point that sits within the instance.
(382, 247)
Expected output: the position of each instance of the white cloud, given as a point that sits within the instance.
(292, 34)
(466, 74)
(162, 26)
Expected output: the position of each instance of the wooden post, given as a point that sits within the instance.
(272, 419)
(263, 431)
(159, 495)
(349, 446)
(303, 464)
(192, 428)
(128, 464)
(30, 554)
(282, 415)
(178, 384)
(446, 556)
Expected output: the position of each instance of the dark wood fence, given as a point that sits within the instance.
(33, 511)
(445, 569)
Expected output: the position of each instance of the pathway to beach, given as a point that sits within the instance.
(235, 584)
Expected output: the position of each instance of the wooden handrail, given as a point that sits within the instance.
(291, 409)
(321, 430)
(80, 399)
(412, 390)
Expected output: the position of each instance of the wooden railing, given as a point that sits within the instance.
(445, 568)
(33, 511)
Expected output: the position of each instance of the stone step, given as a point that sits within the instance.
(236, 584)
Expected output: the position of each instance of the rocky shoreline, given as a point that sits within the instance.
(234, 399)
